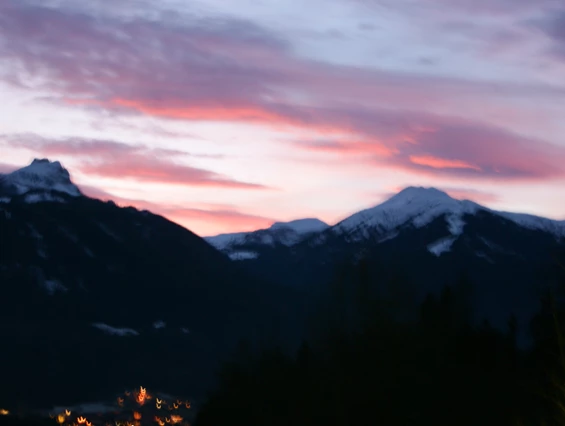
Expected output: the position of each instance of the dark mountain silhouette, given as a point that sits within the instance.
(96, 298)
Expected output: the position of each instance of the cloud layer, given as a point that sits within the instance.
(122, 161)
(497, 122)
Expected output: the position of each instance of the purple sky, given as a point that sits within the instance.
(227, 116)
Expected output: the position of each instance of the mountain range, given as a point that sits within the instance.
(427, 237)
(99, 298)
(414, 207)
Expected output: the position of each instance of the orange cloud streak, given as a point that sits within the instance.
(441, 163)
(348, 147)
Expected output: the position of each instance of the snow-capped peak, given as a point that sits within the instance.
(41, 174)
(301, 226)
(286, 233)
(420, 194)
(417, 206)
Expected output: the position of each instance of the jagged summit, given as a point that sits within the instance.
(42, 175)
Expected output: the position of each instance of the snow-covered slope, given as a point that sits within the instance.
(285, 233)
(42, 180)
(556, 227)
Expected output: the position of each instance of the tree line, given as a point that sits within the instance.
(372, 355)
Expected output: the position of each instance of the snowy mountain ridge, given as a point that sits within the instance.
(45, 180)
(285, 233)
(413, 206)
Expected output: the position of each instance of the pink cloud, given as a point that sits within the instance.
(156, 170)
(345, 147)
(233, 70)
(123, 161)
(437, 145)
(481, 197)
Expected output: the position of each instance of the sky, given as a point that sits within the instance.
(229, 115)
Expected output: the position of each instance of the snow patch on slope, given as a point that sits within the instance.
(33, 198)
(456, 225)
(223, 241)
(54, 286)
(116, 331)
(159, 324)
(441, 246)
(243, 255)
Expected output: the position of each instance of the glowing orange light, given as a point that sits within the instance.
(187, 404)
(142, 395)
(176, 418)
(175, 406)
(87, 423)
(159, 421)
(61, 419)
(167, 420)
(67, 413)
(137, 415)
(81, 420)
(4, 412)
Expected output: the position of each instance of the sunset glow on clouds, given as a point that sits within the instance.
(224, 117)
